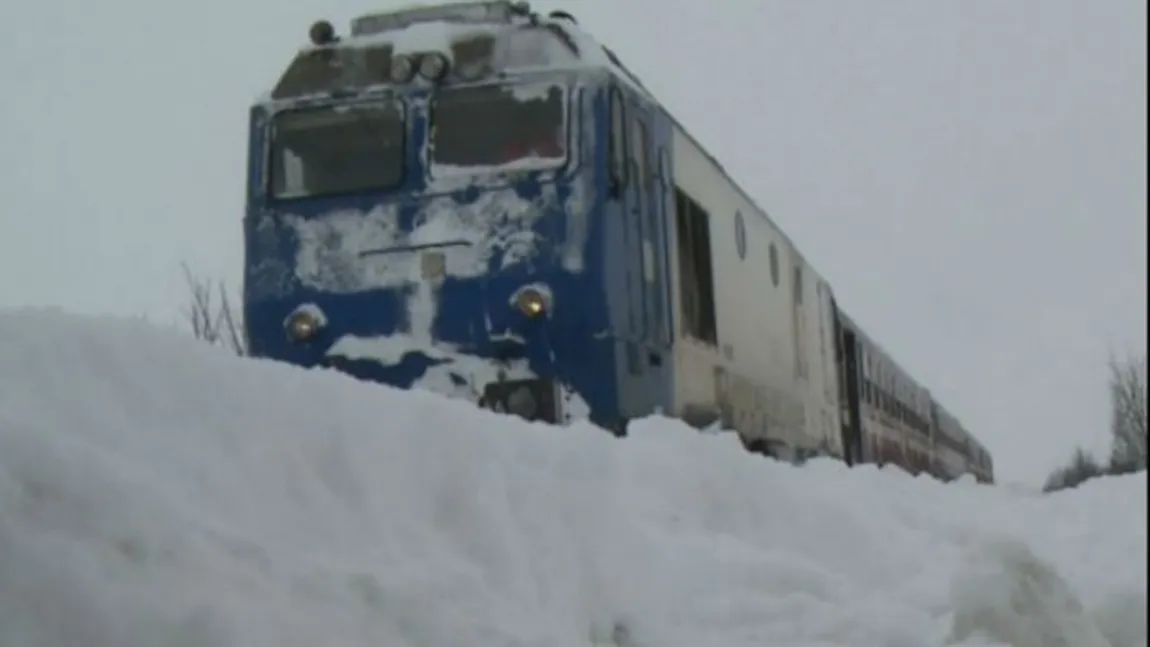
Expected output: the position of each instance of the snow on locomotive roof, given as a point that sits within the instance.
(491, 14)
(528, 41)
(457, 12)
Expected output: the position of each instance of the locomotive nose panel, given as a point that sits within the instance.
(458, 296)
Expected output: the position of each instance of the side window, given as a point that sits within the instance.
(798, 285)
(773, 255)
(640, 177)
(639, 150)
(696, 282)
(618, 144)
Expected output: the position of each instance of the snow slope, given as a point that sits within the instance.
(157, 492)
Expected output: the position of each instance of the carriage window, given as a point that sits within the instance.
(336, 149)
(498, 126)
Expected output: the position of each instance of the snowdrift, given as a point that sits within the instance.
(155, 492)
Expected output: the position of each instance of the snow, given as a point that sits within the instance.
(517, 47)
(465, 176)
(311, 310)
(521, 44)
(442, 378)
(351, 250)
(156, 491)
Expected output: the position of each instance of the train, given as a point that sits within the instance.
(483, 201)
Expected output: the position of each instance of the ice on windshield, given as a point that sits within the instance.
(499, 128)
(336, 150)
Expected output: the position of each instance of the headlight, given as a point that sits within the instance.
(303, 326)
(402, 69)
(433, 67)
(531, 302)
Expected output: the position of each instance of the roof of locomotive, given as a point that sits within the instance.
(538, 43)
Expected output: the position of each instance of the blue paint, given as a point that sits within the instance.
(608, 336)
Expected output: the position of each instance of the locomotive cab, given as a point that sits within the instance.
(427, 203)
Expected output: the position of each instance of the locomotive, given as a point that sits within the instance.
(483, 201)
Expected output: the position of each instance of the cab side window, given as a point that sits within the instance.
(618, 144)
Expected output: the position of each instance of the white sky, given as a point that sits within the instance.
(970, 176)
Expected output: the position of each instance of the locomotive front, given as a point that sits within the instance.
(420, 212)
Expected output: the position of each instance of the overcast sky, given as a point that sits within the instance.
(970, 176)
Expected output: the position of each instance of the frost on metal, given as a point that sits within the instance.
(350, 251)
(444, 174)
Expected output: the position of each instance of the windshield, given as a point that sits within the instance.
(498, 126)
(336, 149)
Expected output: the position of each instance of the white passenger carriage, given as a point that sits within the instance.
(766, 364)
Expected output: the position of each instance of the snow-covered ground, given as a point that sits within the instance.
(156, 492)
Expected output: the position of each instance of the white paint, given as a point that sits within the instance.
(756, 318)
(783, 351)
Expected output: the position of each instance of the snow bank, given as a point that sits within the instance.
(157, 492)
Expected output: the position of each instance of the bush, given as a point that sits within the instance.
(1127, 430)
(211, 315)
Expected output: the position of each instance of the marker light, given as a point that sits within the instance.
(402, 68)
(322, 33)
(531, 302)
(303, 326)
(433, 67)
